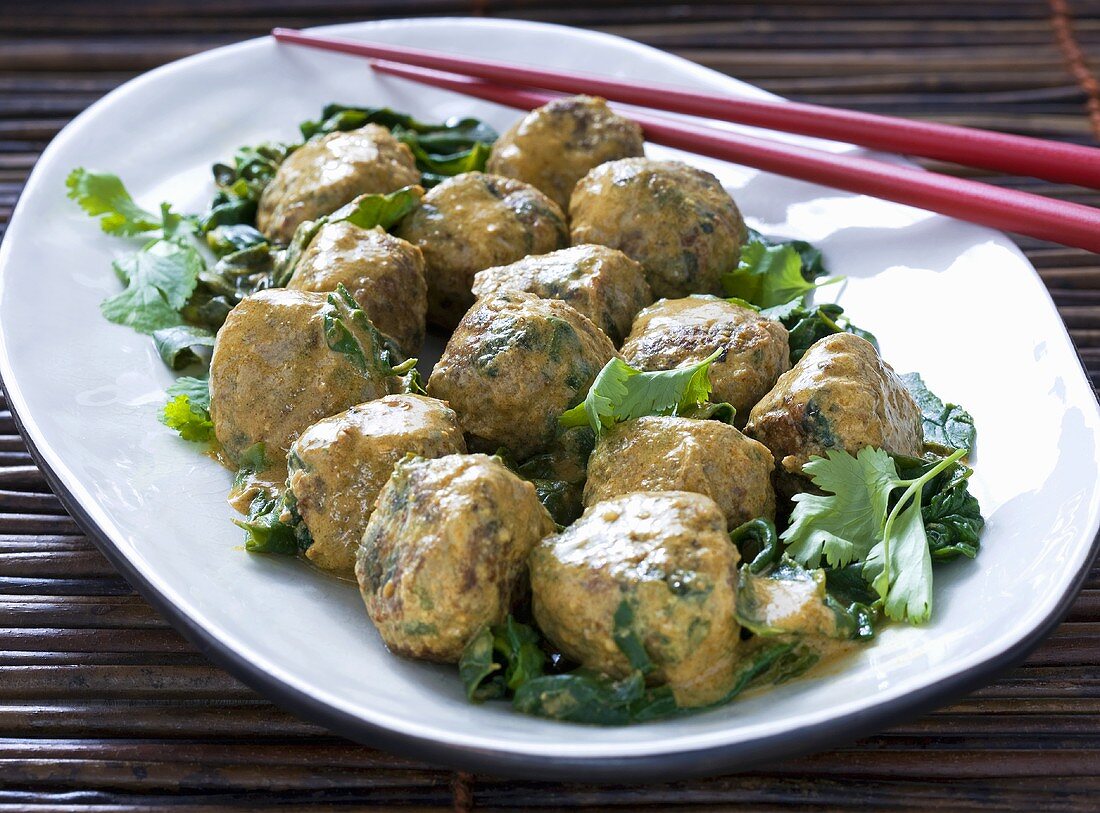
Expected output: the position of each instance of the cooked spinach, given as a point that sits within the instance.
(441, 150)
(242, 182)
(179, 346)
(946, 426)
(952, 515)
(807, 324)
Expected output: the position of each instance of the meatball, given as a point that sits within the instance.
(683, 454)
(513, 365)
(445, 552)
(840, 395)
(474, 221)
(676, 220)
(325, 173)
(384, 274)
(273, 372)
(666, 558)
(338, 466)
(604, 284)
(674, 332)
(555, 145)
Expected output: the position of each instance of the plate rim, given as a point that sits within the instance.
(737, 756)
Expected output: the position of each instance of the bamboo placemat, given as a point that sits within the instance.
(103, 706)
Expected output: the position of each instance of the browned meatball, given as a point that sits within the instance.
(676, 220)
(555, 145)
(384, 274)
(273, 372)
(325, 173)
(445, 552)
(513, 365)
(667, 557)
(840, 395)
(604, 284)
(675, 332)
(683, 454)
(475, 221)
(338, 466)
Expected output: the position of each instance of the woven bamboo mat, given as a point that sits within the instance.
(103, 706)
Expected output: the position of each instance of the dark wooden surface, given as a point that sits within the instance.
(103, 706)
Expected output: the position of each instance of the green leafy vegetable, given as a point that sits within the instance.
(178, 345)
(768, 276)
(441, 150)
(386, 211)
(382, 356)
(241, 183)
(947, 426)
(159, 279)
(807, 325)
(860, 520)
(224, 240)
(588, 697)
(621, 393)
(265, 530)
(757, 543)
(188, 409)
(100, 193)
(500, 658)
(952, 516)
(813, 264)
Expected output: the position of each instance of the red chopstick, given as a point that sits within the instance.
(1017, 155)
(1062, 222)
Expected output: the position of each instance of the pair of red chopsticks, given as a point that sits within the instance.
(1062, 222)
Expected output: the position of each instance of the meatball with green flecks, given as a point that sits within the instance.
(338, 466)
(684, 454)
(676, 220)
(274, 371)
(655, 567)
(840, 395)
(475, 221)
(325, 173)
(555, 145)
(514, 364)
(384, 274)
(604, 284)
(445, 552)
(675, 332)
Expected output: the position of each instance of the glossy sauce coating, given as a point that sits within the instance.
(603, 284)
(475, 221)
(339, 465)
(273, 374)
(384, 274)
(555, 145)
(668, 557)
(683, 454)
(840, 395)
(513, 365)
(445, 552)
(676, 332)
(676, 220)
(325, 173)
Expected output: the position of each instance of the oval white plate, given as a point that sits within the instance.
(957, 302)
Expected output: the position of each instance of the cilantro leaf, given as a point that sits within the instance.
(845, 525)
(188, 409)
(159, 279)
(768, 276)
(946, 425)
(621, 393)
(100, 193)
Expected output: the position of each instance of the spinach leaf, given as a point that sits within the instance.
(500, 658)
(588, 697)
(808, 324)
(441, 150)
(386, 211)
(947, 426)
(241, 183)
(952, 515)
(382, 357)
(100, 193)
(224, 240)
(188, 409)
(757, 543)
(178, 346)
(478, 670)
(266, 532)
(621, 393)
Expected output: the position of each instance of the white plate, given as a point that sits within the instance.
(957, 302)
